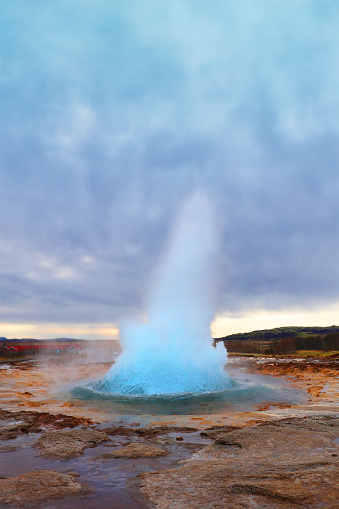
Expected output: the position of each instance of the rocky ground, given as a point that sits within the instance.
(58, 455)
(317, 375)
(282, 464)
(39, 486)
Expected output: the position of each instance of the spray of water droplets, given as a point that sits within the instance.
(172, 353)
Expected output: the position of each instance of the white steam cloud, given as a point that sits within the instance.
(172, 353)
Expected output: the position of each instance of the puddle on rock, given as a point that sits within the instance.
(109, 479)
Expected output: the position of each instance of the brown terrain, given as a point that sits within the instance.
(283, 464)
(274, 456)
(317, 375)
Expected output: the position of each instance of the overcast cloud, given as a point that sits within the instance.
(114, 112)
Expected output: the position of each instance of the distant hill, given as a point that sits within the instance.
(281, 332)
(47, 339)
(283, 340)
(18, 339)
(65, 339)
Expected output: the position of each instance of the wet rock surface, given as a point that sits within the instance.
(317, 375)
(215, 431)
(137, 450)
(13, 424)
(282, 464)
(8, 448)
(65, 444)
(128, 454)
(35, 487)
(147, 431)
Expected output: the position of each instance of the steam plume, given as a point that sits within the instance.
(172, 352)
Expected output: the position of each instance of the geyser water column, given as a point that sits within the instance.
(172, 353)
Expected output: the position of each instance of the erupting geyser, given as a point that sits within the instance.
(172, 353)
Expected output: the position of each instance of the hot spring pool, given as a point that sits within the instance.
(245, 392)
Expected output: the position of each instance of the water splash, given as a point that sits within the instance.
(172, 353)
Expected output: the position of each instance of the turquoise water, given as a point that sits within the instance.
(163, 376)
(243, 393)
(170, 351)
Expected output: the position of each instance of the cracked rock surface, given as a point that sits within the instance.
(281, 464)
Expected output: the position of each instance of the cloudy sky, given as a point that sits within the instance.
(113, 112)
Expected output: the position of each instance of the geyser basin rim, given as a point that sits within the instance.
(90, 391)
(241, 395)
(250, 389)
(166, 396)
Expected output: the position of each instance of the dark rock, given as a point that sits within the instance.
(65, 444)
(35, 487)
(34, 422)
